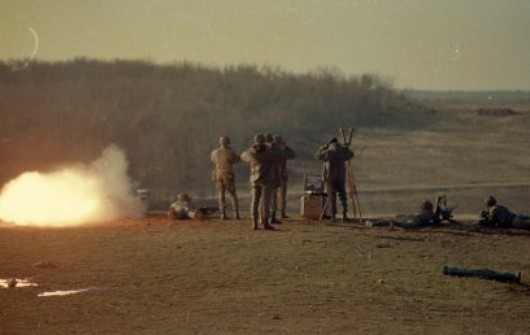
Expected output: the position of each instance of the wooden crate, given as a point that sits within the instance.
(311, 206)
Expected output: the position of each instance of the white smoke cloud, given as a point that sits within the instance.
(75, 195)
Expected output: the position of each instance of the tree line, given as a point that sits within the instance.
(168, 117)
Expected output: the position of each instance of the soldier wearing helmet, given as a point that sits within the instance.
(262, 161)
(223, 158)
(182, 208)
(495, 215)
(268, 138)
(335, 155)
(271, 146)
(258, 140)
(279, 197)
(427, 216)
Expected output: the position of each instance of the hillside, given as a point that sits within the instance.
(501, 96)
(168, 118)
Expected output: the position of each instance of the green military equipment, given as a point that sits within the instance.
(483, 274)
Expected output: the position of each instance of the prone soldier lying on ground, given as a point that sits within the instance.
(184, 209)
(426, 217)
(496, 215)
(429, 215)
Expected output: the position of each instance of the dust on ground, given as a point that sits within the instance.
(152, 276)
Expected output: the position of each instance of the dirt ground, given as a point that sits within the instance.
(151, 276)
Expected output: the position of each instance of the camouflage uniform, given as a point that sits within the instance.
(335, 156)
(426, 217)
(262, 161)
(182, 208)
(223, 158)
(276, 183)
(499, 216)
(286, 154)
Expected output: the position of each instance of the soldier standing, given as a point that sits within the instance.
(261, 160)
(223, 176)
(276, 181)
(334, 155)
(286, 154)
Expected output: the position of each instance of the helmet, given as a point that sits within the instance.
(183, 197)
(490, 201)
(268, 138)
(278, 138)
(427, 205)
(259, 138)
(224, 140)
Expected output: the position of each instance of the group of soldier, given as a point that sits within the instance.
(267, 158)
(493, 215)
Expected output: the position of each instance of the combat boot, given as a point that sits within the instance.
(275, 220)
(268, 226)
(223, 216)
(255, 224)
(235, 206)
(345, 217)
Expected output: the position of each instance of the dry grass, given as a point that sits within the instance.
(465, 155)
(151, 277)
(213, 277)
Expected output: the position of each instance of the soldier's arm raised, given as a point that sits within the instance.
(319, 154)
(349, 154)
(290, 153)
(212, 156)
(247, 157)
(235, 158)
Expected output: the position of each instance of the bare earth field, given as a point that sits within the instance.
(465, 156)
(151, 276)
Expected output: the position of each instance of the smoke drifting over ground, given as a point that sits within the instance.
(74, 195)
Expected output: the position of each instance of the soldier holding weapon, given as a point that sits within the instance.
(262, 162)
(279, 196)
(335, 155)
(496, 215)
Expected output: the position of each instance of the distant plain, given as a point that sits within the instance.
(154, 276)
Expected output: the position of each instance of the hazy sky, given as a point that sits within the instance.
(424, 44)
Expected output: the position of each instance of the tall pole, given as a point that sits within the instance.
(352, 187)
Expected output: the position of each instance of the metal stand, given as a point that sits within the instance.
(352, 187)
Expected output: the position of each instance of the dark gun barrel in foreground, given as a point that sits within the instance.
(483, 273)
